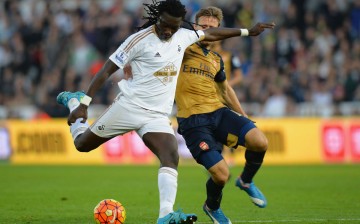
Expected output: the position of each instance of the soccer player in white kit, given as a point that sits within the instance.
(145, 101)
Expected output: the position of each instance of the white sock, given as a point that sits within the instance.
(73, 103)
(78, 128)
(167, 182)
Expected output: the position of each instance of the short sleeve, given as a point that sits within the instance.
(125, 53)
(188, 37)
(201, 35)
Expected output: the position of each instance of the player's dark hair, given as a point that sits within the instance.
(172, 7)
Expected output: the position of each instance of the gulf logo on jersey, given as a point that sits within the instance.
(204, 146)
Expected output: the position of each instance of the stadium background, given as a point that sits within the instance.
(301, 82)
(301, 85)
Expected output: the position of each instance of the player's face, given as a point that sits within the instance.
(206, 22)
(167, 25)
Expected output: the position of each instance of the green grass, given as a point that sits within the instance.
(68, 194)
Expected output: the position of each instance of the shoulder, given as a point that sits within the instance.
(218, 58)
(137, 39)
(142, 33)
(216, 55)
(188, 32)
(184, 30)
(194, 49)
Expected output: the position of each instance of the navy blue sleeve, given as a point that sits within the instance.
(220, 76)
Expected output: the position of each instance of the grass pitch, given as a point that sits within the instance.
(68, 194)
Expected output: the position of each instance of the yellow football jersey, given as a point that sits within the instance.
(196, 91)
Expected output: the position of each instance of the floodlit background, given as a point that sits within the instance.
(300, 82)
(308, 66)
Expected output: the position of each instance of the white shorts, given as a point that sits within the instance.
(123, 116)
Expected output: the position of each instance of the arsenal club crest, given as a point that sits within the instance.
(204, 146)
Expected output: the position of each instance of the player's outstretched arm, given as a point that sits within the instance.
(214, 34)
(96, 83)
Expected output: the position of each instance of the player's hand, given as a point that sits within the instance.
(260, 27)
(79, 112)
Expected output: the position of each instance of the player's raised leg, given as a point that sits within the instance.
(248, 135)
(84, 139)
(256, 144)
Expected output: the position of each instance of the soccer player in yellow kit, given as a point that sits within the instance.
(207, 124)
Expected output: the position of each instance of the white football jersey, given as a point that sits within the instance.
(155, 66)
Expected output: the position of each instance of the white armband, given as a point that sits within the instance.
(244, 32)
(85, 100)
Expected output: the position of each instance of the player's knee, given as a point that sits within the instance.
(82, 147)
(259, 146)
(221, 175)
(174, 158)
(169, 158)
(262, 144)
(221, 178)
(257, 141)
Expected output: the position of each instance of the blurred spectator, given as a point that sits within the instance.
(355, 19)
(313, 56)
(276, 104)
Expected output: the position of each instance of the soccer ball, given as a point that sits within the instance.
(109, 211)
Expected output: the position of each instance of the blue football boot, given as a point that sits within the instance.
(64, 97)
(217, 216)
(254, 193)
(177, 217)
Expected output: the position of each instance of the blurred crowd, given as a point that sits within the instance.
(308, 66)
